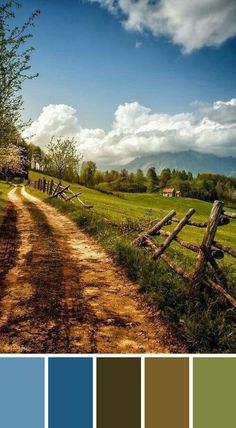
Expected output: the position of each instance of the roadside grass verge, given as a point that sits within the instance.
(4, 189)
(203, 319)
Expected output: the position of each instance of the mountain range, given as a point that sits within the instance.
(188, 160)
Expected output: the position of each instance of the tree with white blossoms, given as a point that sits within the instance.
(12, 160)
(15, 55)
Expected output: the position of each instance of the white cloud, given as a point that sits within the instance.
(136, 131)
(55, 119)
(192, 24)
(138, 45)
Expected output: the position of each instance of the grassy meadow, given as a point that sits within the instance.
(134, 211)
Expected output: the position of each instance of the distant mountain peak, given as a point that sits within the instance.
(188, 160)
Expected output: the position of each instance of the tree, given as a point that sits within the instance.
(87, 173)
(36, 156)
(165, 177)
(12, 160)
(64, 158)
(14, 70)
(152, 180)
(139, 176)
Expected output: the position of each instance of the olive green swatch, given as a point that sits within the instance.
(166, 393)
(214, 392)
(118, 393)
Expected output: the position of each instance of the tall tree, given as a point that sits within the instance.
(15, 67)
(165, 176)
(152, 179)
(64, 157)
(87, 174)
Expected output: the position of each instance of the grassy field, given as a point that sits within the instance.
(135, 211)
(202, 319)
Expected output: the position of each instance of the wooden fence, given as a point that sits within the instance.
(57, 190)
(207, 253)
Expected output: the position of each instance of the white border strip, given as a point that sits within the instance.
(118, 355)
(190, 392)
(142, 392)
(94, 392)
(45, 392)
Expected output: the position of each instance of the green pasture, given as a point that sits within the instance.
(141, 209)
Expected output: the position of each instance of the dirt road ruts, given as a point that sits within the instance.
(64, 294)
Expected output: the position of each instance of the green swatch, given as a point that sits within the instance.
(214, 392)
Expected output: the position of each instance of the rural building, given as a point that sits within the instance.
(171, 193)
(168, 192)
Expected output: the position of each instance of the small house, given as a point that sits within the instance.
(178, 194)
(168, 192)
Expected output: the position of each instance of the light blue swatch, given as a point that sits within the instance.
(21, 392)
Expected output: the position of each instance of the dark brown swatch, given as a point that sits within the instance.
(167, 393)
(118, 393)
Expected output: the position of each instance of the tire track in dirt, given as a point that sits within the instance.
(32, 314)
(8, 243)
(105, 314)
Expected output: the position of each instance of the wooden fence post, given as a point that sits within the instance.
(175, 232)
(57, 187)
(51, 187)
(155, 229)
(207, 242)
(44, 185)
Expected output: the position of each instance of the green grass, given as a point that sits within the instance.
(141, 209)
(203, 319)
(4, 189)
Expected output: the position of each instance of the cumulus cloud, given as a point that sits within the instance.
(137, 131)
(54, 120)
(190, 24)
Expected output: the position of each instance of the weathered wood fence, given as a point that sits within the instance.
(57, 190)
(207, 253)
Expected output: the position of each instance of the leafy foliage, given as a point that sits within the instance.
(14, 70)
(63, 157)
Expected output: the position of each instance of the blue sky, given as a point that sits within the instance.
(86, 59)
(93, 60)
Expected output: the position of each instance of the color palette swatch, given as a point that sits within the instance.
(22, 392)
(70, 392)
(118, 392)
(166, 387)
(127, 392)
(214, 396)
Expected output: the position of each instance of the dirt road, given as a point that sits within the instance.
(61, 293)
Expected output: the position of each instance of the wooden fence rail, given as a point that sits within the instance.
(57, 190)
(208, 252)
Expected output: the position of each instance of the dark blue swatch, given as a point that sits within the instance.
(21, 392)
(70, 393)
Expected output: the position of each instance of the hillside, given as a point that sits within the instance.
(188, 160)
(120, 208)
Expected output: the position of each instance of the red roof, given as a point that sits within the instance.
(168, 190)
